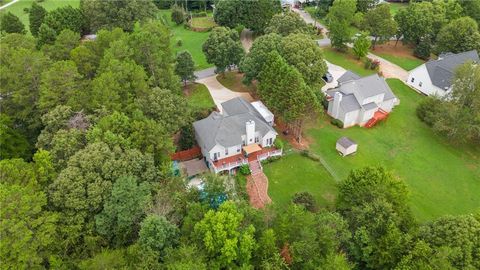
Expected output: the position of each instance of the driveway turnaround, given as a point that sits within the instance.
(336, 72)
(221, 94)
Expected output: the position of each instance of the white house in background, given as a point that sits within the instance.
(242, 133)
(435, 77)
(360, 101)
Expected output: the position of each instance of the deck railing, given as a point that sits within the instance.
(273, 153)
(228, 166)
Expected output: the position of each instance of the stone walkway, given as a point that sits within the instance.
(220, 93)
(246, 37)
(257, 186)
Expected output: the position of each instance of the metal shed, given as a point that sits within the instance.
(345, 146)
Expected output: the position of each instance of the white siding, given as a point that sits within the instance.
(388, 105)
(422, 82)
(366, 115)
(349, 119)
(267, 136)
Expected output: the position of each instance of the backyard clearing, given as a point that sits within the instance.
(233, 81)
(198, 97)
(442, 178)
(295, 173)
(399, 54)
(190, 41)
(346, 60)
(17, 8)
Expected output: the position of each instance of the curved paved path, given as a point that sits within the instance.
(8, 4)
(220, 93)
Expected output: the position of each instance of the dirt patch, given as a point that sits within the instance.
(303, 145)
(400, 49)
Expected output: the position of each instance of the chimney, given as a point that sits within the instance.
(250, 126)
(336, 104)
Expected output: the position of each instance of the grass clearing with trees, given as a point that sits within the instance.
(442, 178)
(295, 173)
(346, 60)
(190, 40)
(198, 96)
(233, 81)
(18, 8)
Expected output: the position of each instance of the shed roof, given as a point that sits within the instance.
(346, 142)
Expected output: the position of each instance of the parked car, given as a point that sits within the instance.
(328, 77)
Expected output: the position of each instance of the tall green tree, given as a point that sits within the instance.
(36, 17)
(361, 45)
(226, 242)
(303, 53)
(380, 24)
(342, 10)
(471, 9)
(459, 35)
(366, 5)
(254, 61)
(340, 34)
(123, 210)
(65, 42)
(46, 35)
(65, 18)
(157, 233)
(284, 91)
(9, 23)
(223, 48)
(286, 24)
(122, 13)
(185, 67)
(61, 84)
(13, 143)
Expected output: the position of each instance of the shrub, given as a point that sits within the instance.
(357, 20)
(305, 199)
(423, 50)
(178, 15)
(199, 14)
(337, 123)
(241, 186)
(428, 109)
(187, 137)
(372, 64)
(244, 169)
(239, 28)
(179, 43)
(26, 10)
(278, 143)
(270, 160)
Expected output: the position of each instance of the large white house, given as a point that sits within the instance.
(242, 132)
(435, 77)
(360, 101)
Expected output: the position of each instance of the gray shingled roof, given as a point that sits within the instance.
(346, 142)
(355, 91)
(441, 71)
(227, 129)
(348, 76)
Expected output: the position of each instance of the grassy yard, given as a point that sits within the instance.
(347, 61)
(407, 63)
(198, 96)
(395, 7)
(233, 81)
(443, 178)
(191, 41)
(18, 7)
(203, 22)
(295, 173)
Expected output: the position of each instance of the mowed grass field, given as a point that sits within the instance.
(295, 173)
(346, 60)
(443, 178)
(18, 8)
(407, 63)
(191, 41)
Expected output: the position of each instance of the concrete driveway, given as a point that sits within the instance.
(337, 72)
(221, 94)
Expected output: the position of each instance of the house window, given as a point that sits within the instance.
(243, 143)
(250, 140)
(413, 79)
(420, 84)
(238, 149)
(269, 141)
(226, 151)
(256, 139)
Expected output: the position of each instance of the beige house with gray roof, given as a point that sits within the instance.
(227, 139)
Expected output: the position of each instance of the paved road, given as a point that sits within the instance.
(9, 4)
(204, 73)
(220, 93)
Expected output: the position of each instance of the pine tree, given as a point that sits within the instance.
(11, 24)
(36, 16)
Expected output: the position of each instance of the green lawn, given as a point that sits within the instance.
(347, 61)
(191, 41)
(203, 22)
(18, 7)
(198, 96)
(443, 178)
(403, 62)
(395, 7)
(295, 173)
(233, 81)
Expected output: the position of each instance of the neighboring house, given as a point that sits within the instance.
(360, 101)
(435, 77)
(237, 136)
